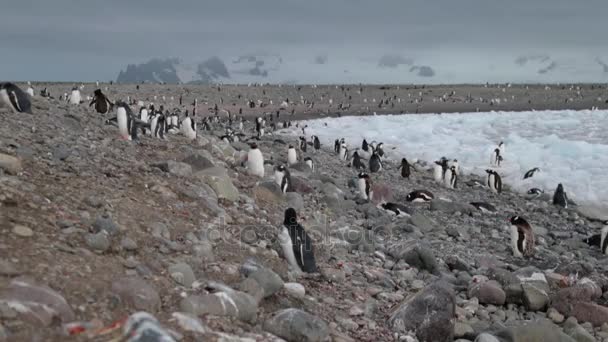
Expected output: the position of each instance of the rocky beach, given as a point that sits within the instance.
(94, 228)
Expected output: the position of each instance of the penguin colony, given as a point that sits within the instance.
(298, 250)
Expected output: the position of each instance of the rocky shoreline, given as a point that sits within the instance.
(94, 229)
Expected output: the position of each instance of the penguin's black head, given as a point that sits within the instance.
(290, 217)
(281, 168)
(97, 92)
(488, 171)
(560, 187)
(518, 221)
(253, 146)
(290, 146)
(363, 175)
(403, 161)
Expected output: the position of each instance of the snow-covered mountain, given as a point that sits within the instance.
(173, 70)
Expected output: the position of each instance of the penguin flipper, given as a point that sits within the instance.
(594, 240)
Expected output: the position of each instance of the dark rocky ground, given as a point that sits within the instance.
(93, 228)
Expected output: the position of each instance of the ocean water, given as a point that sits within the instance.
(569, 147)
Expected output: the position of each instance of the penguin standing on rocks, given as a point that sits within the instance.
(127, 123)
(292, 155)
(501, 148)
(102, 104)
(259, 127)
(255, 161)
(599, 240)
(496, 157)
(357, 164)
(417, 196)
(365, 186)
(296, 244)
(310, 163)
(456, 166)
(405, 168)
(531, 173)
(15, 98)
(157, 125)
(283, 178)
(188, 127)
(343, 151)
(380, 150)
(396, 209)
(315, 142)
(75, 97)
(303, 144)
(559, 197)
(439, 170)
(30, 89)
(522, 237)
(451, 180)
(337, 146)
(375, 164)
(494, 181)
(365, 146)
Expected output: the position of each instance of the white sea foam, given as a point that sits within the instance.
(570, 147)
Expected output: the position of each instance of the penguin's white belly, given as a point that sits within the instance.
(144, 115)
(438, 173)
(75, 98)
(121, 118)
(291, 156)
(153, 125)
(342, 152)
(310, 165)
(255, 163)
(4, 97)
(187, 129)
(491, 183)
(30, 91)
(362, 186)
(514, 238)
(287, 247)
(175, 121)
(278, 177)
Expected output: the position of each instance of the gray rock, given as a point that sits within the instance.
(8, 269)
(485, 337)
(578, 302)
(175, 168)
(217, 178)
(331, 190)
(462, 330)
(11, 165)
(295, 289)
(422, 222)
(269, 281)
(297, 325)
(106, 224)
(22, 231)
(38, 304)
(204, 251)
(430, 314)
(61, 152)
(451, 207)
(94, 201)
(534, 298)
(128, 244)
(295, 200)
(137, 293)
(200, 160)
(224, 302)
(160, 230)
(182, 274)
(99, 242)
(268, 192)
(488, 292)
(534, 331)
(577, 332)
(302, 167)
(421, 257)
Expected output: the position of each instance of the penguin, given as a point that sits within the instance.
(13, 97)
(396, 209)
(456, 166)
(315, 142)
(599, 240)
(494, 181)
(405, 168)
(102, 104)
(75, 97)
(292, 155)
(123, 119)
(417, 196)
(303, 144)
(451, 180)
(141, 326)
(439, 170)
(365, 186)
(535, 192)
(283, 178)
(343, 151)
(255, 161)
(496, 157)
(380, 150)
(30, 90)
(356, 163)
(531, 173)
(365, 146)
(501, 148)
(259, 128)
(375, 164)
(522, 237)
(296, 244)
(337, 146)
(154, 122)
(484, 207)
(559, 197)
(144, 116)
(188, 127)
(310, 163)
(475, 183)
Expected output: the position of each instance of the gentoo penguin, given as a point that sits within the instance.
(484, 207)
(310, 163)
(296, 244)
(13, 97)
(255, 161)
(456, 166)
(380, 150)
(144, 115)
(419, 196)
(315, 142)
(439, 170)
(531, 172)
(283, 178)
(451, 179)
(102, 104)
(157, 125)
(496, 157)
(397, 209)
(75, 97)
(365, 186)
(375, 164)
(475, 183)
(343, 151)
(337, 146)
(559, 197)
(501, 147)
(30, 90)
(141, 326)
(188, 127)
(292, 155)
(357, 164)
(259, 128)
(494, 181)
(535, 192)
(303, 144)
(124, 119)
(405, 168)
(599, 240)
(365, 146)
(522, 237)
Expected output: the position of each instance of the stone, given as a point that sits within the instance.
(204, 252)
(8, 269)
(9, 164)
(94, 201)
(179, 169)
(217, 178)
(485, 337)
(269, 281)
(297, 325)
(200, 160)
(577, 332)
(488, 292)
(534, 331)
(295, 200)
(137, 293)
(295, 289)
(225, 302)
(36, 303)
(22, 231)
(534, 298)
(182, 274)
(301, 185)
(422, 222)
(430, 314)
(268, 192)
(99, 242)
(106, 224)
(578, 302)
(422, 258)
(555, 316)
(451, 207)
(462, 330)
(128, 244)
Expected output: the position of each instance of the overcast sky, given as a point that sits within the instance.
(89, 40)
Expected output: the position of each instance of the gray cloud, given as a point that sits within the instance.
(393, 61)
(548, 68)
(423, 70)
(88, 40)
